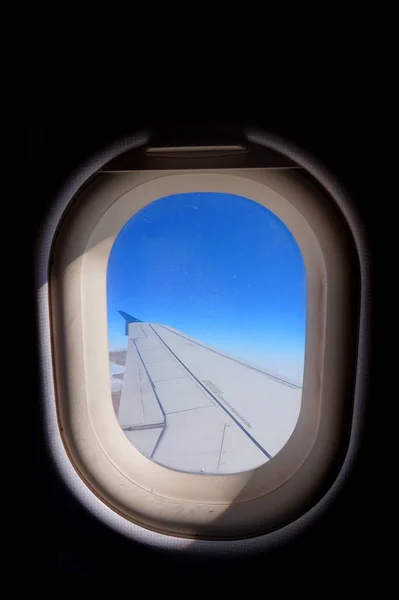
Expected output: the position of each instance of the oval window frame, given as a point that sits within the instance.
(337, 196)
(150, 495)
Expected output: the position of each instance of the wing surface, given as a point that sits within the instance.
(193, 408)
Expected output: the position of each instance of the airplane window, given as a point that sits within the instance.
(180, 393)
(206, 301)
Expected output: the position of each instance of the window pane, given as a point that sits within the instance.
(206, 301)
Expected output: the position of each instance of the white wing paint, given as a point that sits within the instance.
(192, 408)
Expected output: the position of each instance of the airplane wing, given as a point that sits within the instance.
(193, 408)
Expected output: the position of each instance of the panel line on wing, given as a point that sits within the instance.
(221, 445)
(149, 379)
(254, 441)
(175, 412)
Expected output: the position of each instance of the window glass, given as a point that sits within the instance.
(206, 299)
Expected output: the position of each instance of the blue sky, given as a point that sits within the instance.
(218, 267)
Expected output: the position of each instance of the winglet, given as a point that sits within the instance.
(128, 319)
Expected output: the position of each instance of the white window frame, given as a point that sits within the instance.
(146, 497)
